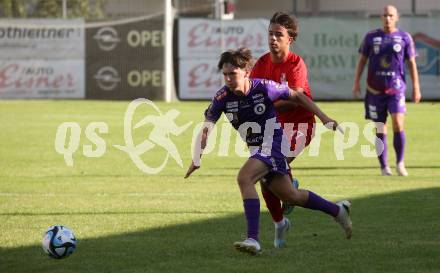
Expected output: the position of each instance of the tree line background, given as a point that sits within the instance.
(88, 9)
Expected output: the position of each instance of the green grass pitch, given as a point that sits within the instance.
(129, 221)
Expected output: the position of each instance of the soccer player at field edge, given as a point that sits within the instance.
(284, 66)
(248, 105)
(386, 50)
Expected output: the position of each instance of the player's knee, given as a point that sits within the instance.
(397, 126)
(243, 180)
(292, 197)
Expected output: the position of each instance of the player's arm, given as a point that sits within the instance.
(199, 146)
(412, 65)
(282, 106)
(357, 75)
(308, 104)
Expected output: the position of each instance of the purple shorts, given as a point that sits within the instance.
(378, 106)
(276, 164)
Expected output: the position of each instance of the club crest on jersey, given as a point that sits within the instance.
(376, 49)
(397, 47)
(259, 108)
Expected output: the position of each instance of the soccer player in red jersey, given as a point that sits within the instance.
(284, 66)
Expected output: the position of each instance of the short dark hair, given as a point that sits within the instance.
(241, 58)
(289, 22)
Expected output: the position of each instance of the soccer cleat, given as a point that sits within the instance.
(401, 170)
(287, 209)
(280, 234)
(386, 171)
(249, 245)
(343, 217)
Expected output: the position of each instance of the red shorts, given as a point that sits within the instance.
(300, 135)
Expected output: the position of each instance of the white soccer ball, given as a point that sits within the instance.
(59, 242)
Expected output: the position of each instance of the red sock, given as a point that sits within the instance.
(273, 205)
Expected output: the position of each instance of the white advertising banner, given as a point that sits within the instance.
(201, 41)
(330, 46)
(203, 38)
(41, 79)
(42, 38)
(199, 79)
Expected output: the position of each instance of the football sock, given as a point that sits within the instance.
(280, 223)
(252, 212)
(382, 142)
(273, 205)
(399, 145)
(316, 202)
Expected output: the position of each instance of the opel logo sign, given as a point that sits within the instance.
(107, 78)
(107, 38)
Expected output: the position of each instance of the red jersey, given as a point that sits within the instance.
(294, 71)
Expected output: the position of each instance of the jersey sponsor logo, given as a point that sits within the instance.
(384, 63)
(377, 40)
(385, 73)
(397, 39)
(259, 108)
(232, 104)
(397, 47)
(244, 104)
(257, 96)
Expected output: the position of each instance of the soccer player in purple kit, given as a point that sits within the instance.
(248, 105)
(387, 49)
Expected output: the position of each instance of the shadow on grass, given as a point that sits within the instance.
(397, 232)
(348, 167)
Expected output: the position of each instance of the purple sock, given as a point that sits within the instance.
(399, 145)
(316, 202)
(382, 142)
(252, 212)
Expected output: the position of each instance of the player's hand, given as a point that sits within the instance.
(191, 169)
(417, 96)
(332, 125)
(356, 90)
